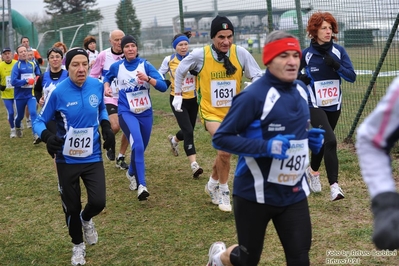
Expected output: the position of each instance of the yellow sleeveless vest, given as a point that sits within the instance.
(188, 81)
(215, 88)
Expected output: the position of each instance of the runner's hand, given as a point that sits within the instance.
(278, 146)
(177, 102)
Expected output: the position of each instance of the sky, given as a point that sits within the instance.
(342, 9)
(26, 7)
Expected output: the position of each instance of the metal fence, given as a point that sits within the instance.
(367, 30)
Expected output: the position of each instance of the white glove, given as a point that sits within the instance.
(177, 101)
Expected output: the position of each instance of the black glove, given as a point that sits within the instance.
(2, 88)
(167, 81)
(331, 62)
(53, 142)
(40, 61)
(193, 72)
(108, 135)
(385, 207)
(305, 79)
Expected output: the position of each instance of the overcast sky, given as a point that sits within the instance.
(146, 10)
(26, 7)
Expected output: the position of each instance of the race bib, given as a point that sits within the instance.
(327, 92)
(223, 92)
(139, 101)
(8, 82)
(79, 142)
(27, 76)
(115, 88)
(188, 83)
(288, 172)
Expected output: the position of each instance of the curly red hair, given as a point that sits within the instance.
(315, 21)
(61, 44)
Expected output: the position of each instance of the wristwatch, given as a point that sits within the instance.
(149, 78)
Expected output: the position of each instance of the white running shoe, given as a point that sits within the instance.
(36, 139)
(215, 249)
(89, 231)
(336, 192)
(224, 204)
(132, 179)
(142, 193)
(213, 193)
(13, 134)
(18, 132)
(28, 124)
(173, 146)
(78, 254)
(313, 180)
(196, 169)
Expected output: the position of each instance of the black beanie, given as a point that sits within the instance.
(128, 39)
(71, 53)
(220, 23)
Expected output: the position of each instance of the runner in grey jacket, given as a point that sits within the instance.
(375, 138)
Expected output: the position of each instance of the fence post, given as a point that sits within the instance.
(388, 43)
(269, 15)
(181, 16)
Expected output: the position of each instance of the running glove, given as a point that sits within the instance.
(385, 207)
(331, 62)
(193, 72)
(304, 78)
(108, 135)
(316, 139)
(177, 101)
(53, 142)
(278, 146)
(30, 81)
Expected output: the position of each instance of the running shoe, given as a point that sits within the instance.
(174, 146)
(213, 193)
(216, 248)
(133, 182)
(18, 132)
(224, 202)
(111, 155)
(13, 134)
(336, 192)
(36, 139)
(28, 124)
(121, 164)
(313, 180)
(196, 169)
(78, 254)
(89, 231)
(142, 193)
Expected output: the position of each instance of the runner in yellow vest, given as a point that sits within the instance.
(250, 45)
(7, 90)
(220, 69)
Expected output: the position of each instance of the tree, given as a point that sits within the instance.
(70, 13)
(126, 19)
(61, 7)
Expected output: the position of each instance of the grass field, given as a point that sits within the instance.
(177, 224)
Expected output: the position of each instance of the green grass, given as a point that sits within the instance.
(178, 223)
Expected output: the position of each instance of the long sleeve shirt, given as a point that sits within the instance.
(375, 138)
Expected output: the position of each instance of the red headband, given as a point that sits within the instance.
(273, 49)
